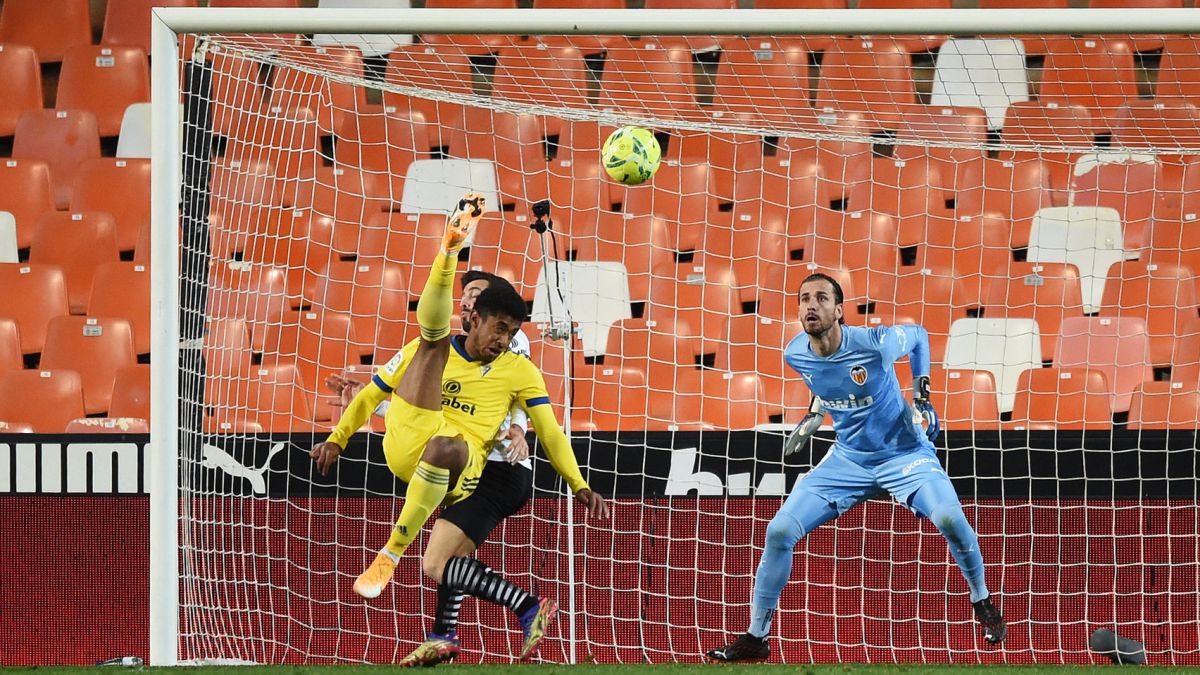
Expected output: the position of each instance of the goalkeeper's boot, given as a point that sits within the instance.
(370, 583)
(535, 623)
(460, 224)
(434, 650)
(994, 627)
(746, 648)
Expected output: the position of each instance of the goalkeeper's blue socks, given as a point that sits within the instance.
(802, 513)
(938, 500)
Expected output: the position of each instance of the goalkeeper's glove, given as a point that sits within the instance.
(923, 412)
(799, 436)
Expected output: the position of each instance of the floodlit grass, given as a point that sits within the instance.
(626, 669)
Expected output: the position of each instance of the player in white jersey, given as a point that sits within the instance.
(504, 488)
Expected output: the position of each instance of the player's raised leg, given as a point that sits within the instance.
(937, 500)
(421, 387)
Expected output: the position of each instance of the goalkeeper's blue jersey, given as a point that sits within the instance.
(857, 385)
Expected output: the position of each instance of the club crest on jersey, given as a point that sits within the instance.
(859, 375)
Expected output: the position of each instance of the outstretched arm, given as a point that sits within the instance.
(562, 458)
(355, 415)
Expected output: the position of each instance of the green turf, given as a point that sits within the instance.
(628, 669)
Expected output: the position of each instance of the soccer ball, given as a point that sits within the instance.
(631, 155)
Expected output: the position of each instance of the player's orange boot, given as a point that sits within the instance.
(462, 221)
(370, 583)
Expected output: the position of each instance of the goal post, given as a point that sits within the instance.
(294, 194)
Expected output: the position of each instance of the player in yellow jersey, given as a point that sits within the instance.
(449, 396)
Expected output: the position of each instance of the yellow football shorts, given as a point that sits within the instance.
(409, 429)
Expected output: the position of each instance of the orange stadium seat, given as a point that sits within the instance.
(237, 96)
(127, 22)
(1016, 189)
(256, 293)
(945, 124)
(656, 345)
(910, 190)
(375, 295)
(272, 398)
(1094, 71)
(131, 392)
(319, 344)
(1130, 184)
(51, 27)
(338, 103)
(1162, 294)
(121, 290)
(1159, 123)
(94, 348)
(47, 400)
(645, 80)
(64, 139)
(677, 193)
(755, 344)
(1179, 69)
(579, 184)
(763, 78)
(968, 398)
(104, 80)
(33, 294)
(120, 187)
(226, 347)
(1165, 405)
(613, 398)
(1048, 293)
(10, 346)
(411, 239)
(287, 140)
(21, 82)
(383, 146)
(515, 144)
(346, 194)
(724, 400)
(872, 75)
(700, 294)
(78, 243)
(15, 428)
(974, 246)
(26, 191)
(531, 73)
(1061, 398)
(1118, 348)
(424, 66)
(1055, 124)
(843, 162)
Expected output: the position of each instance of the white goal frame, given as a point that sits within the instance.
(166, 141)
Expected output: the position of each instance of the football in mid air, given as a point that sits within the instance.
(631, 155)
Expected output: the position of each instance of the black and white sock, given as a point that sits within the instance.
(445, 622)
(472, 577)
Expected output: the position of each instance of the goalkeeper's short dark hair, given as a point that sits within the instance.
(501, 299)
(838, 296)
(471, 276)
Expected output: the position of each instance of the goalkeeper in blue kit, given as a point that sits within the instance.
(883, 443)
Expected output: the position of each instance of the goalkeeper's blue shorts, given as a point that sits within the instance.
(844, 483)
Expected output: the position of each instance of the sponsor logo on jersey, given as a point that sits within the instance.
(450, 391)
(451, 387)
(849, 403)
(859, 375)
(918, 462)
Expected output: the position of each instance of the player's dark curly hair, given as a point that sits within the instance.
(838, 296)
(479, 275)
(500, 298)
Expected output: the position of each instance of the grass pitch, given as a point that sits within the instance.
(626, 669)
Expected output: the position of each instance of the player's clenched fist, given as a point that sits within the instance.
(325, 454)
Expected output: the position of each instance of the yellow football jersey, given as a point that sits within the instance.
(476, 397)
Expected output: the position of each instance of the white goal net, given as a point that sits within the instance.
(1030, 200)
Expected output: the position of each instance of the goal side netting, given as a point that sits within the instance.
(1030, 200)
